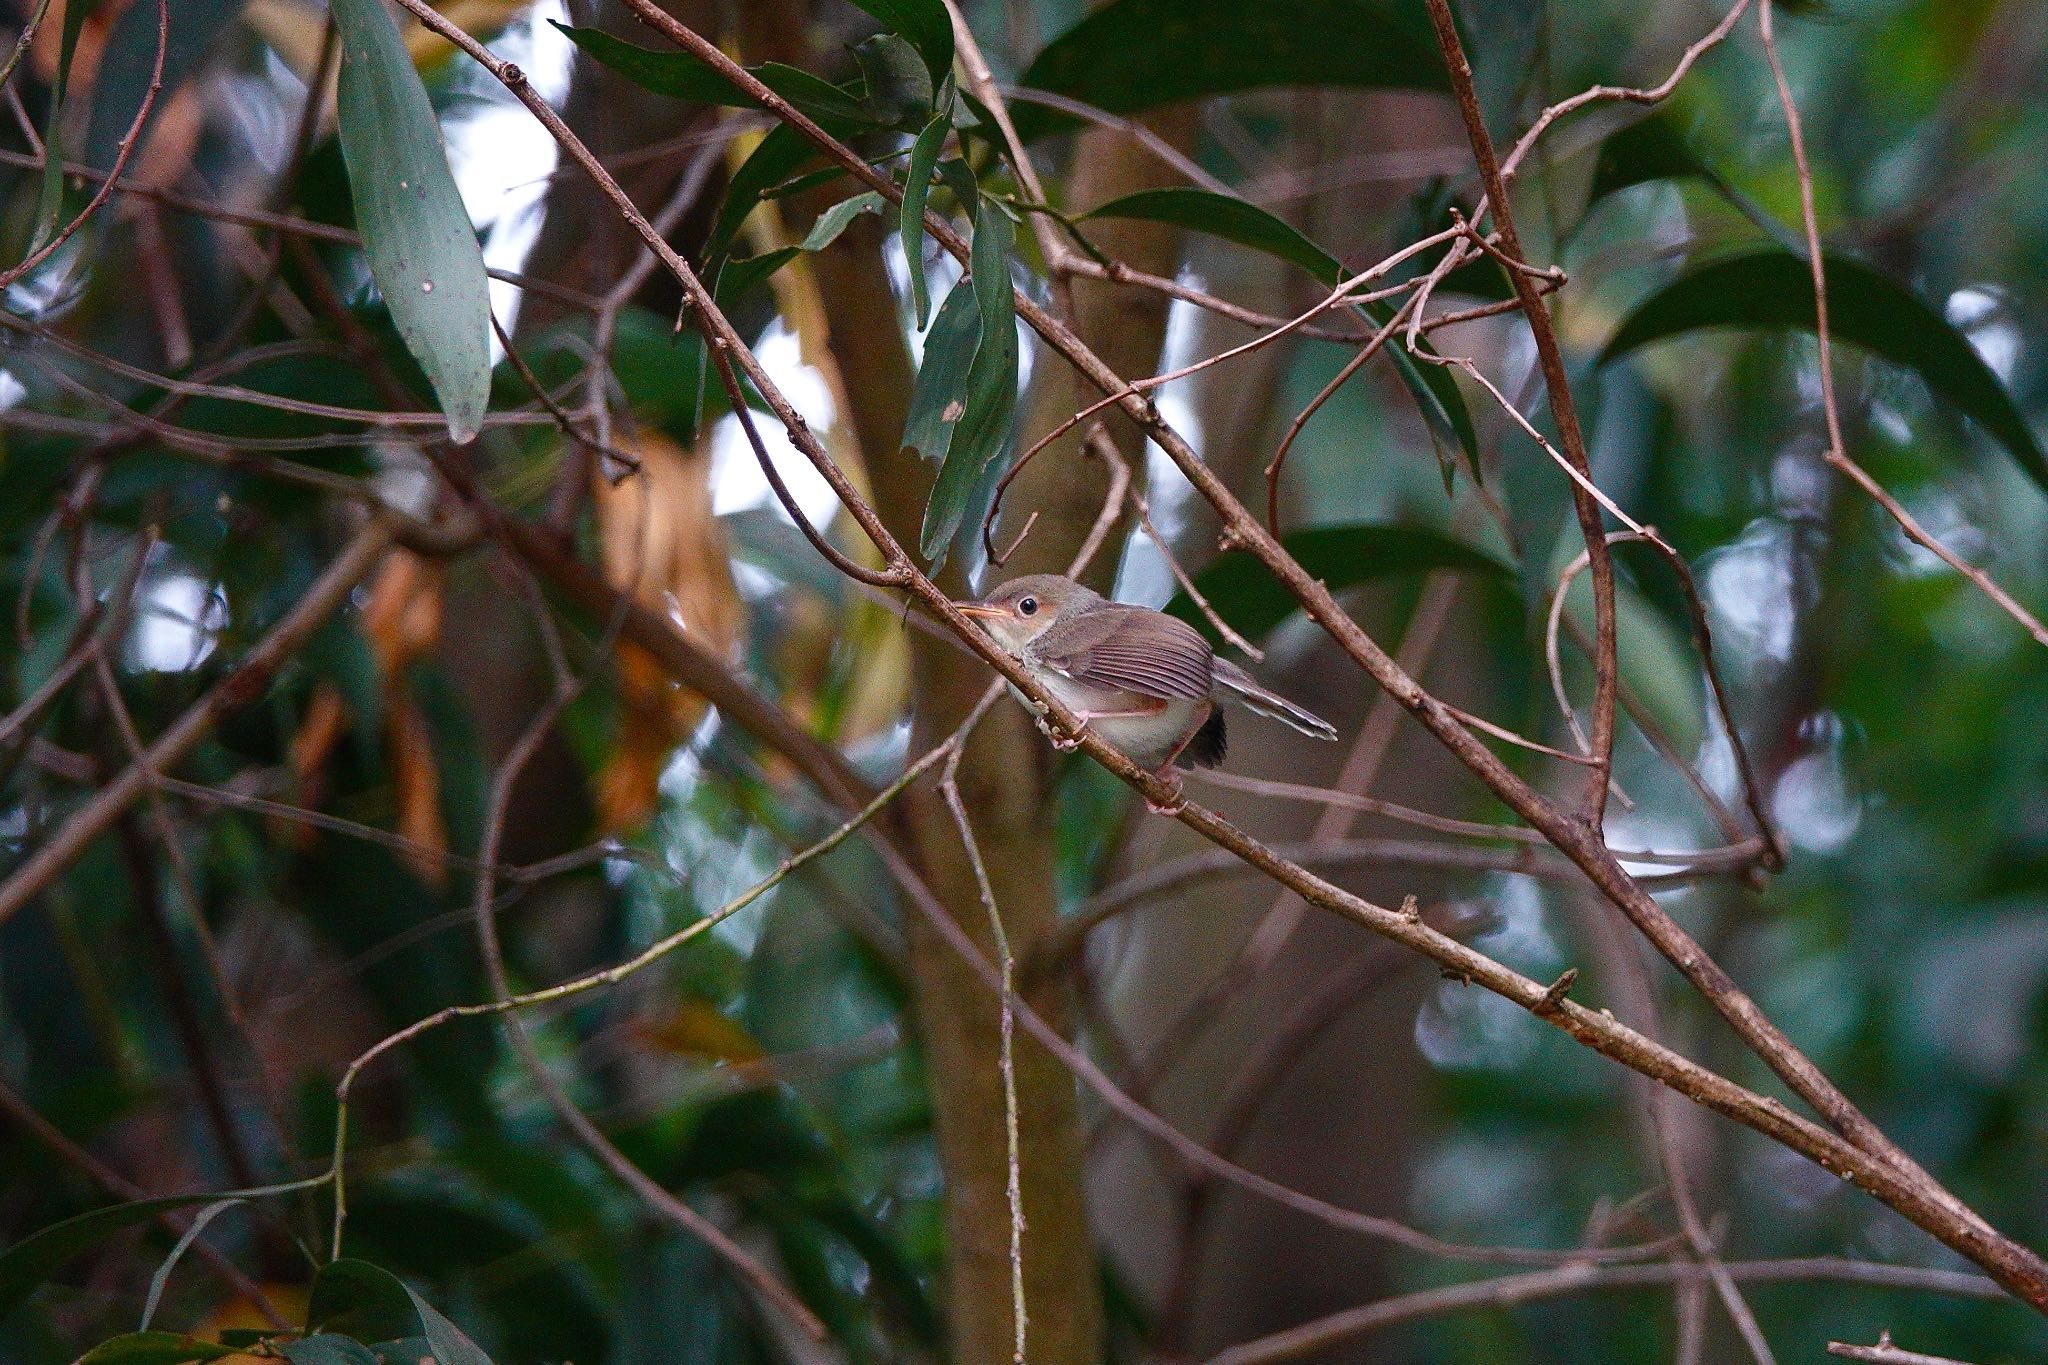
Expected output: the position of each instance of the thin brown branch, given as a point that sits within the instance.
(1885, 1353)
(1563, 407)
(1837, 453)
(122, 151)
(1511, 1291)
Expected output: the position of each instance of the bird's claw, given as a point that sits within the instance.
(1059, 738)
(1176, 800)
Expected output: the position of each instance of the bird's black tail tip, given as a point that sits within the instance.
(1207, 748)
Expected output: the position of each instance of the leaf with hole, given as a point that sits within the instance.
(1131, 55)
(1772, 290)
(423, 252)
(939, 397)
(991, 392)
(1236, 220)
(1244, 592)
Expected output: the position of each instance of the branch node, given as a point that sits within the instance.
(1554, 997)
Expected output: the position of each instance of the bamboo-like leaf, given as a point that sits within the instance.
(917, 188)
(423, 251)
(1139, 54)
(1243, 592)
(1772, 290)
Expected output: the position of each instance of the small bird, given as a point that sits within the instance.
(1147, 682)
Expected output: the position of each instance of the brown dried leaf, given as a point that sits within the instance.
(660, 544)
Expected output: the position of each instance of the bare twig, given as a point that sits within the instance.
(1885, 1353)
(1837, 453)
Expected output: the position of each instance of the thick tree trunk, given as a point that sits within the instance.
(1004, 780)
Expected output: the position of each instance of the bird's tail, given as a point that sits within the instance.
(1253, 697)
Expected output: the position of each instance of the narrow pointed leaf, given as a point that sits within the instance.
(423, 251)
(367, 1301)
(917, 188)
(1772, 290)
(34, 1259)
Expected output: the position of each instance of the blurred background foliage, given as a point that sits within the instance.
(177, 1006)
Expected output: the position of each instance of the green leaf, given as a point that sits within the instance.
(1139, 54)
(939, 398)
(1232, 219)
(777, 157)
(154, 1348)
(327, 1349)
(1654, 149)
(423, 251)
(927, 26)
(35, 1258)
(1244, 593)
(899, 91)
(1649, 149)
(991, 398)
(917, 188)
(1236, 220)
(838, 218)
(1772, 290)
(681, 75)
(741, 277)
(366, 1301)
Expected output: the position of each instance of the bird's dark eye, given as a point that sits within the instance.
(1027, 606)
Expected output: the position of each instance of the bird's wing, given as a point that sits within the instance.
(1131, 648)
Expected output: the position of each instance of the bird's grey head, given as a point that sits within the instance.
(1024, 608)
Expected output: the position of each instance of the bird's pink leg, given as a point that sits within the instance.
(1165, 773)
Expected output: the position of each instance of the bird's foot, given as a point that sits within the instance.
(1059, 738)
(1176, 800)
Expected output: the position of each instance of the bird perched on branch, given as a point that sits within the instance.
(1147, 682)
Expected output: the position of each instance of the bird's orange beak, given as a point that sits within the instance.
(980, 609)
